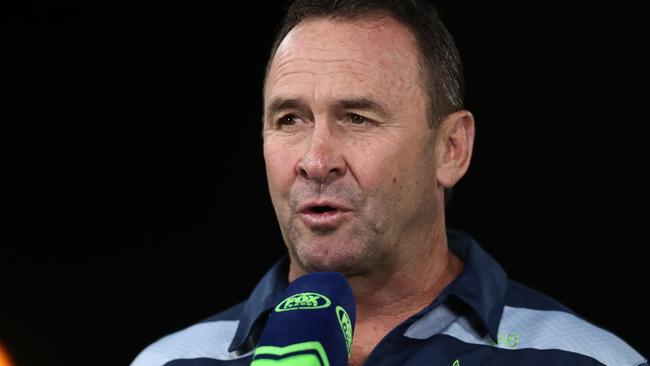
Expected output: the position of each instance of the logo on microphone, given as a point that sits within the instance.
(303, 354)
(304, 301)
(346, 327)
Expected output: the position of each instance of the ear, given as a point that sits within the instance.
(454, 145)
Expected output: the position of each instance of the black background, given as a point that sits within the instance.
(135, 198)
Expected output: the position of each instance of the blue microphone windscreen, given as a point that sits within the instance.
(312, 325)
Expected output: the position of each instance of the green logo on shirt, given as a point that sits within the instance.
(508, 340)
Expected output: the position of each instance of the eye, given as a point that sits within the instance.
(288, 120)
(357, 119)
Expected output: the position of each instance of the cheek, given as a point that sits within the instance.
(393, 175)
(378, 179)
(375, 164)
(280, 164)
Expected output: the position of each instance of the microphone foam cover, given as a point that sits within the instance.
(313, 324)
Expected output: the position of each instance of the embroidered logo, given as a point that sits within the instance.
(508, 340)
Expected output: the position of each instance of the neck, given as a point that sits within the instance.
(386, 298)
(410, 286)
(395, 288)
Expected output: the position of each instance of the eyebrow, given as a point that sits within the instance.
(363, 104)
(279, 104)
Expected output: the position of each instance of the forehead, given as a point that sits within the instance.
(377, 53)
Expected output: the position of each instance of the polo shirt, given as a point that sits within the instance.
(481, 318)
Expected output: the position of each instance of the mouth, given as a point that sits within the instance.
(323, 215)
(320, 209)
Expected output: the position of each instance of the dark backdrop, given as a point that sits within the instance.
(135, 198)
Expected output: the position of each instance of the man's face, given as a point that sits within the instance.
(350, 159)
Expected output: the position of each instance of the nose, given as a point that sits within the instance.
(323, 161)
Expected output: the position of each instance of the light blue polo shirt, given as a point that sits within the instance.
(481, 318)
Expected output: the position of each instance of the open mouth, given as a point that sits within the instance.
(321, 209)
(323, 215)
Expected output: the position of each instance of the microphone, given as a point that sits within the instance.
(311, 326)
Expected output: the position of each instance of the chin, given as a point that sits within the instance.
(343, 260)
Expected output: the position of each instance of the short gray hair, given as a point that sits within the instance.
(439, 57)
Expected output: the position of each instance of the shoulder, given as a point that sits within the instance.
(536, 321)
(207, 339)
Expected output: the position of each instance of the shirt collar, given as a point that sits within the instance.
(265, 295)
(482, 285)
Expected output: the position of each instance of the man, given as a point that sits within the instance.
(364, 131)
